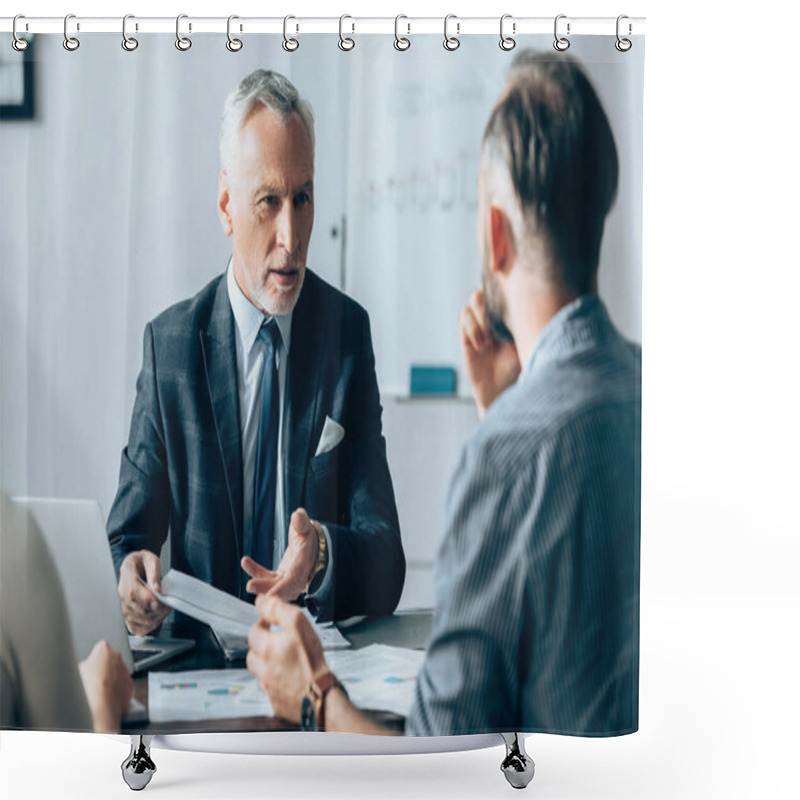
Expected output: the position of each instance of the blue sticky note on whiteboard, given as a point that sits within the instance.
(433, 380)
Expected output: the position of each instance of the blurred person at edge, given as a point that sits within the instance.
(42, 686)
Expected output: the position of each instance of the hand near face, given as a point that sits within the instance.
(284, 662)
(293, 574)
(108, 686)
(492, 366)
(142, 609)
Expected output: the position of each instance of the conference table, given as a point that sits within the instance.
(409, 629)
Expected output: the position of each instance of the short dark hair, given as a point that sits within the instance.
(553, 135)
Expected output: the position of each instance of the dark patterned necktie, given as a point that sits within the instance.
(266, 471)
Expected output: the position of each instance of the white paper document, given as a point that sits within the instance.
(201, 601)
(229, 617)
(378, 677)
(235, 645)
(205, 694)
(330, 636)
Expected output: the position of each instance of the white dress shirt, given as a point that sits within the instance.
(249, 369)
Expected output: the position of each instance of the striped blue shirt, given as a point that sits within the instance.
(536, 624)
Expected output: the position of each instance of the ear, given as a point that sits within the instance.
(501, 241)
(223, 203)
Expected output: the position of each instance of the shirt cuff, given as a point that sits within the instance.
(321, 585)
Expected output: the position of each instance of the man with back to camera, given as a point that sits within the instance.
(256, 397)
(536, 623)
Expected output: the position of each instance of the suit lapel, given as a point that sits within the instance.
(301, 403)
(219, 358)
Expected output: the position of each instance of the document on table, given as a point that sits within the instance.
(229, 617)
(205, 694)
(378, 677)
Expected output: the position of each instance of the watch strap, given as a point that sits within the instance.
(320, 685)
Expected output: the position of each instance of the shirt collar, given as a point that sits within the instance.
(582, 322)
(249, 318)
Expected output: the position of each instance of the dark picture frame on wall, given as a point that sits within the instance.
(17, 83)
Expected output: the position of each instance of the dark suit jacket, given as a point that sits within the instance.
(182, 469)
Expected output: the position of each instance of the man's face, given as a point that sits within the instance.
(492, 292)
(267, 206)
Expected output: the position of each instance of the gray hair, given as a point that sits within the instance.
(272, 90)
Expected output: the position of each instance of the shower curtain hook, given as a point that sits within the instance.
(451, 42)
(183, 43)
(507, 42)
(345, 42)
(623, 45)
(128, 42)
(19, 43)
(289, 44)
(400, 42)
(233, 44)
(70, 42)
(561, 43)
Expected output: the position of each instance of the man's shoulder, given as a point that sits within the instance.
(321, 297)
(555, 407)
(191, 314)
(507, 438)
(329, 316)
(515, 424)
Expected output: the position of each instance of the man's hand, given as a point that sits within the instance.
(108, 686)
(284, 662)
(491, 366)
(294, 572)
(143, 611)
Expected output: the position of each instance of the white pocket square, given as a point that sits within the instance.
(332, 434)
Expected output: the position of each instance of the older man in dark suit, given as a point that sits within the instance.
(256, 397)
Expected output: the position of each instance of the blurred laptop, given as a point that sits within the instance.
(76, 537)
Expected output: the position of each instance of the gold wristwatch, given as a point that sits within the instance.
(322, 552)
